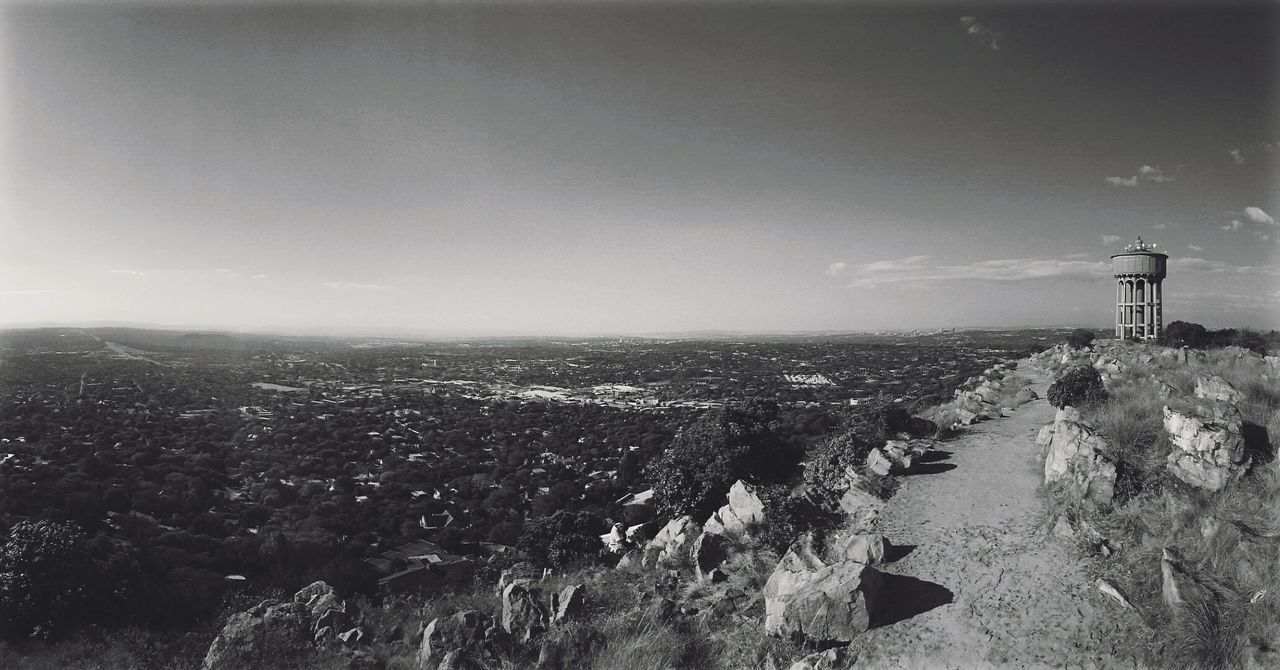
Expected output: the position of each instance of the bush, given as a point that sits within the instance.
(1081, 338)
(1184, 334)
(562, 540)
(1078, 387)
(825, 465)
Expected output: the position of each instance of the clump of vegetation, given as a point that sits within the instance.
(1196, 336)
(1078, 387)
(1081, 338)
(562, 540)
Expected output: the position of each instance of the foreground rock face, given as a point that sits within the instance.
(450, 641)
(743, 509)
(523, 616)
(275, 633)
(673, 542)
(1208, 446)
(1075, 453)
(1216, 388)
(808, 598)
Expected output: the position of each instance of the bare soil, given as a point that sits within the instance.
(979, 580)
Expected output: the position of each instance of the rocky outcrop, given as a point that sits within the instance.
(836, 658)
(743, 510)
(455, 641)
(569, 604)
(1076, 453)
(673, 542)
(860, 507)
(523, 616)
(806, 597)
(1216, 388)
(276, 632)
(1208, 446)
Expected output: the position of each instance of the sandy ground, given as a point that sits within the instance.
(984, 583)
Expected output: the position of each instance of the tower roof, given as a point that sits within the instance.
(1140, 248)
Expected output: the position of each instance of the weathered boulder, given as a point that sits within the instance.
(879, 463)
(273, 633)
(352, 637)
(523, 615)
(1216, 388)
(262, 637)
(709, 551)
(805, 597)
(673, 542)
(860, 507)
(573, 649)
(1077, 454)
(455, 635)
(743, 510)
(868, 549)
(835, 658)
(570, 603)
(1208, 446)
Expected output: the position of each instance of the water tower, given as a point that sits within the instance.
(1139, 271)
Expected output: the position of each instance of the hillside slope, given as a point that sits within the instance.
(982, 541)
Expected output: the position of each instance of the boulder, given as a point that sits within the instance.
(868, 549)
(352, 637)
(570, 603)
(1216, 388)
(807, 598)
(319, 598)
(574, 649)
(861, 507)
(261, 637)
(709, 551)
(673, 542)
(1076, 454)
(1207, 444)
(523, 615)
(743, 510)
(879, 463)
(444, 636)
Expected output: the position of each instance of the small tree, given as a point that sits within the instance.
(1184, 334)
(1079, 386)
(46, 573)
(562, 539)
(1081, 338)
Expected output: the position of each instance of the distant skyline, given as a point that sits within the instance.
(631, 167)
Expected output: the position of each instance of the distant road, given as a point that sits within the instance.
(128, 352)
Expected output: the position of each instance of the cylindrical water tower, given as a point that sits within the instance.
(1139, 272)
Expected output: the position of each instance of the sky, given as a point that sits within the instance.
(633, 167)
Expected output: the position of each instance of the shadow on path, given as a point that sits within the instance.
(900, 597)
(933, 456)
(931, 469)
(897, 552)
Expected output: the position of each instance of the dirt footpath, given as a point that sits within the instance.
(984, 583)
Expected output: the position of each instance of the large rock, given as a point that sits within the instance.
(743, 510)
(460, 634)
(807, 598)
(1076, 453)
(1216, 388)
(570, 603)
(867, 549)
(672, 543)
(1208, 447)
(836, 658)
(273, 633)
(860, 507)
(523, 615)
(709, 551)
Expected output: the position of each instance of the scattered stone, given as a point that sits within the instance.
(836, 658)
(271, 629)
(805, 597)
(352, 638)
(861, 507)
(672, 542)
(1106, 588)
(1208, 446)
(571, 603)
(444, 636)
(879, 463)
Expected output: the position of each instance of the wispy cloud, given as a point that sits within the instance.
(836, 268)
(1195, 248)
(131, 273)
(1204, 265)
(1146, 173)
(1108, 240)
(258, 277)
(25, 291)
(918, 269)
(1234, 225)
(981, 33)
(1160, 226)
(1239, 155)
(1257, 215)
(355, 286)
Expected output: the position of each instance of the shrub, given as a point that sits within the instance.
(1081, 338)
(1184, 334)
(827, 461)
(562, 539)
(1077, 387)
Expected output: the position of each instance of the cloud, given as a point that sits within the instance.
(915, 269)
(1155, 174)
(981, 33)
(1160, 226)
(1123, 181)
(25, 291)
(258, 277)
(836, 268)
(1262, 236)
(131, 273)
(1194, 247)
(1256, 215)
(1108, 240)
(1194, 264)
(353, 286)
(1237, 156)
(1234, 225)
